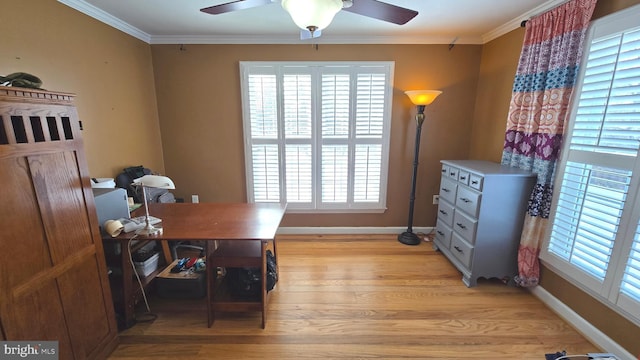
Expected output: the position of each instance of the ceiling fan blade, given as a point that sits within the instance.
(234, 6)
(382, 11)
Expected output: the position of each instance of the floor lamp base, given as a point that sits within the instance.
(409, 238)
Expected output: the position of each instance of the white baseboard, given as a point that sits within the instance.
(589, 331)
(338, 230)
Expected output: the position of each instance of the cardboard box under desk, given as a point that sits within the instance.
(182, 285)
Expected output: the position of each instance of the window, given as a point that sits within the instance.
(594, 237)
(317, 134)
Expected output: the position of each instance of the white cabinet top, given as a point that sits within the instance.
(486, 168)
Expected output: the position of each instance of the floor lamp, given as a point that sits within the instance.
(151, 181)
(421, 98)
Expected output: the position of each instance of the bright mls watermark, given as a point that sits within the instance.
(46, 350)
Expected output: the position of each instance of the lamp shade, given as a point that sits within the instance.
(155, 181)
(312, 14)
(422, 97)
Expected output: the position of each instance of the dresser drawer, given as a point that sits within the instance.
(461, 250)
(445, 213)
(465, 226)
(475, 181)
(468, 201)
(453, 173)
(445, 170)
(463, 177)
(443, 234)
(448, 189)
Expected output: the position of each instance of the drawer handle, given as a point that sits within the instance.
(446, 190)
(465, 200)
(452, 173)
(440, 233)
(443, 212)
(474, 182)
(444, 171)
(461, 226)
(463, 178)
(458, 249)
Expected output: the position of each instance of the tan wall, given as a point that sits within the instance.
(499, 62)
(200, 114)
(200, 111)
(109, 71)
(497, 71)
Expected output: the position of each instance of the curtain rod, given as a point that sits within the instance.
(524, 22)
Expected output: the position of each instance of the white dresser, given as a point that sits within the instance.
(480, 215)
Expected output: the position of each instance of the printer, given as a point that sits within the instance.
(111, 204)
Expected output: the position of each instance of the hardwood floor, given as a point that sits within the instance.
(361, 297)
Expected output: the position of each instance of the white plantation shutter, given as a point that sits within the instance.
(323, 128)
(335, 172)
(335, 106)
(266, 174)
(588, 213)
(263, 107)
(297, 106)
(368, 165)
(630, 286)
(299, 173)
(591, 238)
(607, 119)
(370, 105)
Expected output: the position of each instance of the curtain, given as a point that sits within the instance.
(545, 78)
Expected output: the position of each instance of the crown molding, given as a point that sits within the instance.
(295, 40)
(106, 18)
(515, 23)
(115, 22)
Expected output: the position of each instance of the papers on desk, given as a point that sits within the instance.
(136, 223)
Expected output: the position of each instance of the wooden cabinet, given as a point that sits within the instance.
(480, 216)
(53, 278)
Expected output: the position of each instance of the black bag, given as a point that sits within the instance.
(246, 282)
(272, 271)
(124, 180)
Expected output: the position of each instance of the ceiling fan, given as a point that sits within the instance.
(314, 15)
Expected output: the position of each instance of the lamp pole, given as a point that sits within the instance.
(421, 98)
(408, 237)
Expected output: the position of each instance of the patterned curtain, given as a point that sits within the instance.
(539, 107)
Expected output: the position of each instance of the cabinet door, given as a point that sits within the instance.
(53, 282)
(31, 307)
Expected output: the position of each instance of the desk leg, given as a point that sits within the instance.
(128, 303)
(264, 282)
(275, 255)
(168, 258)
(210, 279)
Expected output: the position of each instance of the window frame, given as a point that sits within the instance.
(607, 291)
(317, 69)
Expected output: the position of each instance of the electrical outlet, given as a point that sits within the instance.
(195, 199)
(436, 199)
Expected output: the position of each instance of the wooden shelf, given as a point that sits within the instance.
(236, 254)
(246, 253)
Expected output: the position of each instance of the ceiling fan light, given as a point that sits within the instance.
(312, 13)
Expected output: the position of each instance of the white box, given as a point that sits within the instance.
(148, 266)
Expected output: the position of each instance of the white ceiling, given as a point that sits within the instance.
(438, 22)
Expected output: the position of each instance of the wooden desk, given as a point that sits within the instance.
(233, 224)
